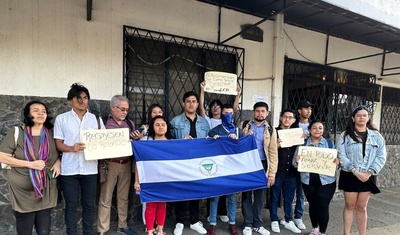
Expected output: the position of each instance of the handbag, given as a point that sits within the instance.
(103, 171)
(16, 134)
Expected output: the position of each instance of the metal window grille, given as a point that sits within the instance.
(160, 68)
(390, 115)
(333, 91)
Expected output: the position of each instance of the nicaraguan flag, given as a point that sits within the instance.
(179, 170)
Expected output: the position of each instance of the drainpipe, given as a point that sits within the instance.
(278, 65)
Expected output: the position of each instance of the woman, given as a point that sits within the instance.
(154, 110)
(35, 163)
(159, 129)
(318, 188)
(362, 155)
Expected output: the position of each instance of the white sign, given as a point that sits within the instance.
(221, 83)
(259, 98)
(290, 137)
(317, 160)
(106, 143)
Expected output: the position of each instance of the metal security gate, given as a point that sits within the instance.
(160, 68)
(333, 91)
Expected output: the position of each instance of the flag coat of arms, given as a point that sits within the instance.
(179, 170)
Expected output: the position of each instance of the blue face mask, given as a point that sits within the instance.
(227, 122)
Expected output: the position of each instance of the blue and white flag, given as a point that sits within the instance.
(179, 170)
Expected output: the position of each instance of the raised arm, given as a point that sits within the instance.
(201, 101)
(237, 99)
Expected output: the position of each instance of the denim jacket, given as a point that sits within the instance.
(305, 176)
(351, 153)
(181, 126)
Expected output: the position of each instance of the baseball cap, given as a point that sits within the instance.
(304, 104)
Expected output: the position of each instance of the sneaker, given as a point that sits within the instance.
(290, 225)
(126, 230)
(232, 229)
(299, 223)
(314, 231)
(211, 230)
(275, 227)
(282, 222)
(224, 218)
(247, 231)
(198, 227)
(178, 229)
(261, 230)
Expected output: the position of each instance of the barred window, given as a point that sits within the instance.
(390, 115)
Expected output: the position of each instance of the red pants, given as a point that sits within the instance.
(155, 211)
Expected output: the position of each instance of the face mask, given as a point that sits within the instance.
(227, 122)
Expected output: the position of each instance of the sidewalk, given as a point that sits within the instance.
(383, 218)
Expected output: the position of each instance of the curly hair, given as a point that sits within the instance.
(28, 120)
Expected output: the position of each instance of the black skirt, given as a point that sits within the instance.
(349, 183)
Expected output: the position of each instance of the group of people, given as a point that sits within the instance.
(31, 152)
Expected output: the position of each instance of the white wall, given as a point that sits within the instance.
(47, 45)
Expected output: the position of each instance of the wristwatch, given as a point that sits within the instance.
(372, 171)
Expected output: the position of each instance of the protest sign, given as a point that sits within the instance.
(106, 143)
(317, 160)
(221, 83)
(291, 137)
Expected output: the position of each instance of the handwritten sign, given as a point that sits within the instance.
(317, 160)
(106, 143)
(221, 83)
(291, 137)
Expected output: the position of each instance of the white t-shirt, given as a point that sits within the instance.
(212, 122)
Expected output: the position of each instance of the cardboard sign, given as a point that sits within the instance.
(291, 137)
(221, 83)
(317, 160)
(106, 143)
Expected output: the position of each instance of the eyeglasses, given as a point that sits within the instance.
(122, 109)
(216, 107)
(287, 117)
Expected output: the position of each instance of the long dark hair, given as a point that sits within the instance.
(152, 106)
(28, 118)
(350, 128)
(152, 133)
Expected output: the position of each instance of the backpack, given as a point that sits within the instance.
(330, 144)
(244, 124)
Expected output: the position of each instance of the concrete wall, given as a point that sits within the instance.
(47, 45)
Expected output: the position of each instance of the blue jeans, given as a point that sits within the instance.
(287, 187)
(299, 208)
(252, 209)
(231, 209)
(71, 185)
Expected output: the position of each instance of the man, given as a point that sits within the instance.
(226, 128)
(189, 125)
(119, 172)
(304, 110)
(77, 174)
(267, 147)
(285, 180)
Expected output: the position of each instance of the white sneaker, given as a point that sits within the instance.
(283, 221)
(247, 231)
(299, 223)
(261, 230)
(178, 229)
(275, 227)
(198, 227)
(224, 218)
(290, 225)
(314, 231)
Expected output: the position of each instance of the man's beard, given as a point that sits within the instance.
(259, 120)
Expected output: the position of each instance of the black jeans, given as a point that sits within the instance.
(319, 196)
(71, 186)
(182, 207)
(40, 219)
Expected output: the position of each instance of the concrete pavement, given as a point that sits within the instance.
(383, 218)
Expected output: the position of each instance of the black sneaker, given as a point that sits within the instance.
(126, 230)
